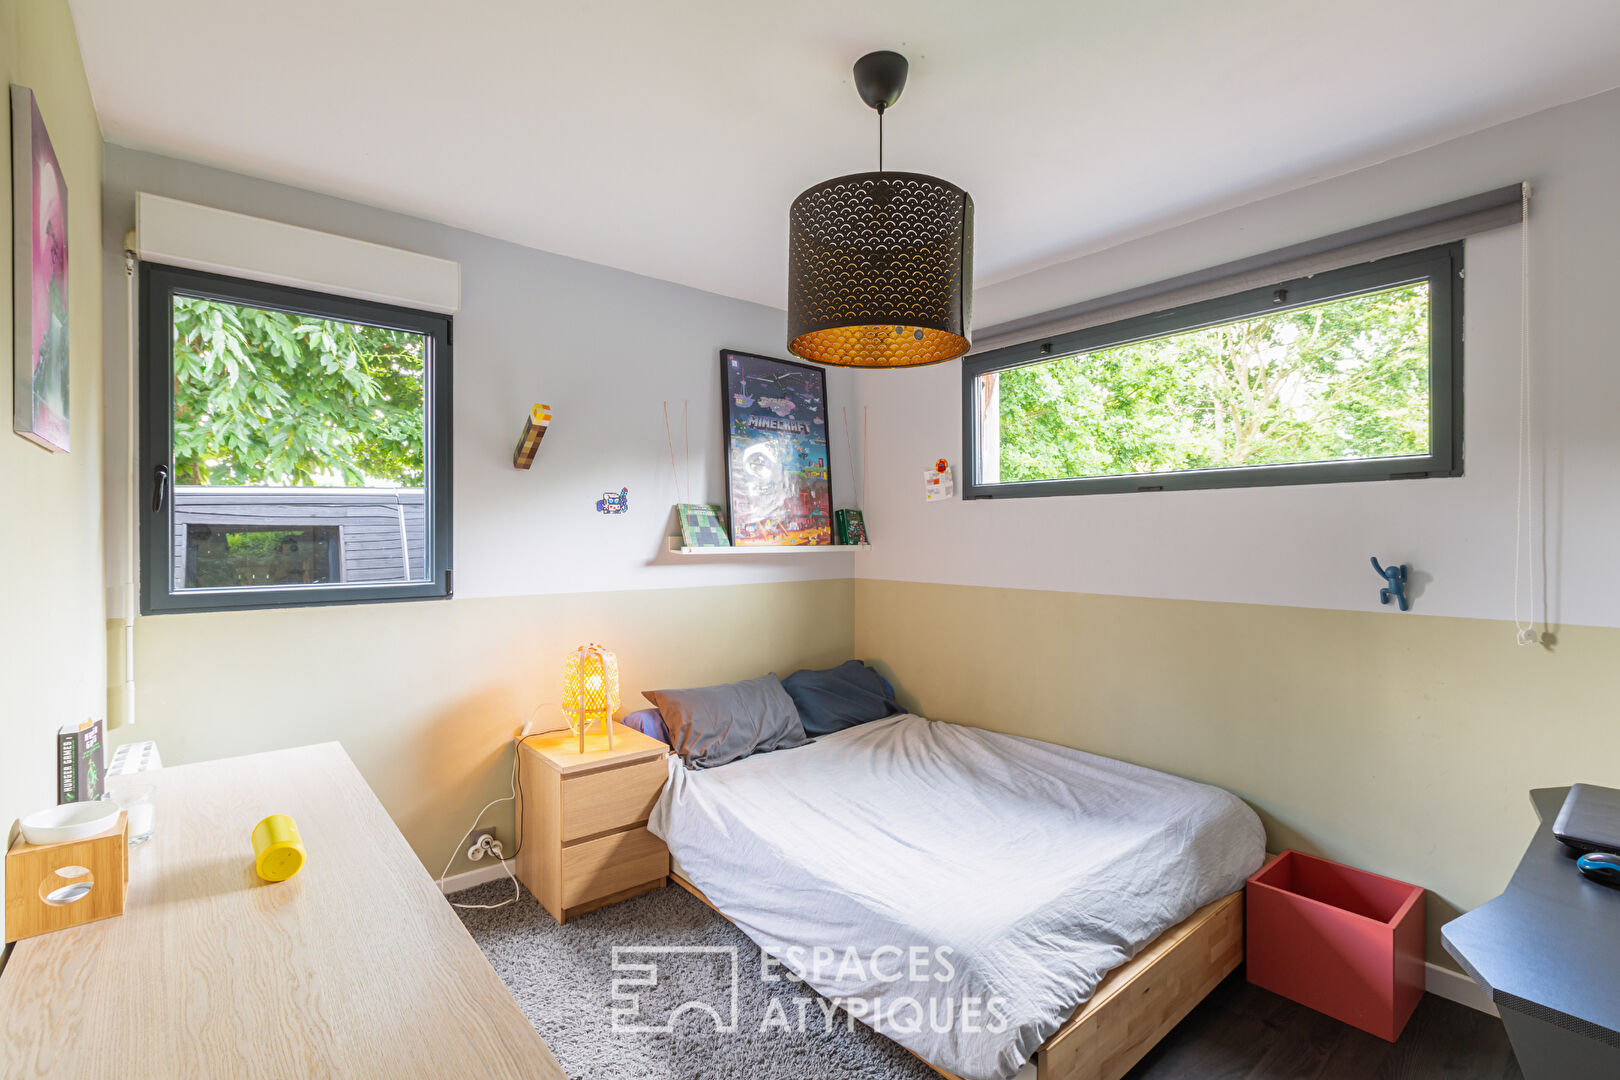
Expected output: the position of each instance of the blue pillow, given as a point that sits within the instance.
(649, 722)
(840, 697)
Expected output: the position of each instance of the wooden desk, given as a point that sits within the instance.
(357, 967)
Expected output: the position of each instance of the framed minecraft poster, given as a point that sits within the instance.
(778, 475)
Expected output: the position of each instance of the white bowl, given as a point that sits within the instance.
(70, 821)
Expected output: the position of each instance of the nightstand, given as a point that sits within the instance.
(585, 838)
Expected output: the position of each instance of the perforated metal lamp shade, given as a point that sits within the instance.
(880, 271)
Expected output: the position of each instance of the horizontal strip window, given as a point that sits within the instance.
(1348, 375)
(295, 446)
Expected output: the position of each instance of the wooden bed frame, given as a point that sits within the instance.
(1135, 1005)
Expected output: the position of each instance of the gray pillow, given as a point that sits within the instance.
(711, 725)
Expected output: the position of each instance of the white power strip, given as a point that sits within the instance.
(486, 845)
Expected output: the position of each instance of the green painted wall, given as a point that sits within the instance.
(1400, 743)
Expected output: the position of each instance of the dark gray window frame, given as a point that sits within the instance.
(158, 286)
(1441, 267)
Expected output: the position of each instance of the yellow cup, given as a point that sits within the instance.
(278, 852)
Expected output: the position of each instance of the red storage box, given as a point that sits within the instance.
(1345, 942)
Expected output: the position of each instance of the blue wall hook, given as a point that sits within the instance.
(1394, 584)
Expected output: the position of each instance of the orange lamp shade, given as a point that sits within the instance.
(590, 684)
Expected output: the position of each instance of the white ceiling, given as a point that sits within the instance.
(667, 137)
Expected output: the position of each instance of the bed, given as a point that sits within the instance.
(1059, 901)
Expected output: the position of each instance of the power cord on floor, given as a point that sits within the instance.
(514, 795)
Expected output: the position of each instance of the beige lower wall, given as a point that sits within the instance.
(1401, 743)
(1404, 744)
(426, 696)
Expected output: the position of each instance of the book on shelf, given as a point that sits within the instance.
(700, 526)
(81, 761)
(851, 526)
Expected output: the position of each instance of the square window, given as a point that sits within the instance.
(296, 446)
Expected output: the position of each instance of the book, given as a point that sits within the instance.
(81, 761)
(851, 526)
(700, 526)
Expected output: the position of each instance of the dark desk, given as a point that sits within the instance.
(1548, 953)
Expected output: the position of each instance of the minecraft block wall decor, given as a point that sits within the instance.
(534, 429)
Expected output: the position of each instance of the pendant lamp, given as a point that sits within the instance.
(880, 264)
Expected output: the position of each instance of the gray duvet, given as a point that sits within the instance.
(958, 890)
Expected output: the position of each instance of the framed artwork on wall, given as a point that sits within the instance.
(778, 479)
(40, 277)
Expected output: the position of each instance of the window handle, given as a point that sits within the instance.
(160, 487)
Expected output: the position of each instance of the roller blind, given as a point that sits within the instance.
(1393, 236)
(184, 234)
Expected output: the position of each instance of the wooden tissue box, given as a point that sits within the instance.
(55, 886)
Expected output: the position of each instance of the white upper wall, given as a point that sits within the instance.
(604, 348)
(1308, 546)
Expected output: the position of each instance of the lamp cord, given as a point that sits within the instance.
(880, 139)
(515, 796)
(517, 891)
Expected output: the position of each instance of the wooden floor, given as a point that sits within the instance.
(1241, 1032)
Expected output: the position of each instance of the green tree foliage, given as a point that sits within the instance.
(268, 397)
(1344, 379)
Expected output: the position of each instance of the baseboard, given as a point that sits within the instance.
(479, 875)
(1455, 986)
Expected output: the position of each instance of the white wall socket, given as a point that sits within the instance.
(482, 842)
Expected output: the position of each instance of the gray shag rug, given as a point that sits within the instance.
(563, 976)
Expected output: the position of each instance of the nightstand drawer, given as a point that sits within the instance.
(610, 864)
(600, 802)
(585, 843)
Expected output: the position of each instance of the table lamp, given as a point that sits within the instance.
(590, 690)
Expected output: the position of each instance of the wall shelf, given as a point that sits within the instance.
(675, 548)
